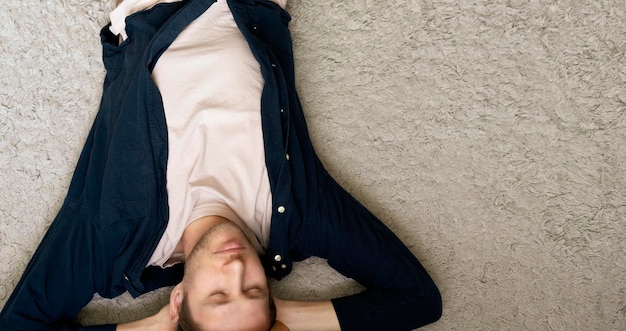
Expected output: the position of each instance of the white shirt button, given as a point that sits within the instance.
(281, 209)
(278, 258)
(287, 157)
(283, 266)
(273, 65)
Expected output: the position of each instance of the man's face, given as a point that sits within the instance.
(225, 284)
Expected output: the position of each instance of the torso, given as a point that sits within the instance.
(211, 87)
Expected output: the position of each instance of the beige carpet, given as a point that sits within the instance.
(490, 135)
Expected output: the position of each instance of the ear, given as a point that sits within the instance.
(176, 300)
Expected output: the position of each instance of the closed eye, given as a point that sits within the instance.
(255, 292)
(217, 293)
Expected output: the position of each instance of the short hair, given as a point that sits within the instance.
(186, 323)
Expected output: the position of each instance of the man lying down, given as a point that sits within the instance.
(199, 172)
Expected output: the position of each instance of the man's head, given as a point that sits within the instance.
(224, 287)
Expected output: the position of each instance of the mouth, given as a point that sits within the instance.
(230, 247)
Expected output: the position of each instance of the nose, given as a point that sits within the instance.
(235, 263)
(235, 270)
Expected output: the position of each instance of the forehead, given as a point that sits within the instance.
(236, 315)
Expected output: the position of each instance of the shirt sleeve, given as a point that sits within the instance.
(59, 280)
(399, 295)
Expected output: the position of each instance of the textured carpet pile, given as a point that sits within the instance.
(489, 135)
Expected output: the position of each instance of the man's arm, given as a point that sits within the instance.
(399, 295)
(59, 280)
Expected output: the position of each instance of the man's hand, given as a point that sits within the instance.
(158, 322)
(162, 320)
(307, 316)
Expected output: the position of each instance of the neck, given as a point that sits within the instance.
(194, 231)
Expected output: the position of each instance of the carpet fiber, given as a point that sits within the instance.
(489, 135)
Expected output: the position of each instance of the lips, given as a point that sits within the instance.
(229, 248)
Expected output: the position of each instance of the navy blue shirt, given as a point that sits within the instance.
(116, 207)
